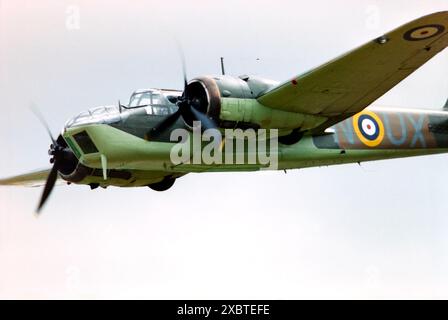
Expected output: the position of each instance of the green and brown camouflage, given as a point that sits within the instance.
(404, 133)
(323, 117)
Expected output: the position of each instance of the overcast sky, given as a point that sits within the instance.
(373, 231)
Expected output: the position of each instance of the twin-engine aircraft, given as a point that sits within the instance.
(320, 118)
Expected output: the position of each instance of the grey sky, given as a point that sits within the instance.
(378, 230)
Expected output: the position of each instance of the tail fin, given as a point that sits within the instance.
(446, 105)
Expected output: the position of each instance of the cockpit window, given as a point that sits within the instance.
(156, 99)
(153, 101)
(146, 98)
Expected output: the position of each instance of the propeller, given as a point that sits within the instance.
(187, 108)
(49, 185)
(61, 155)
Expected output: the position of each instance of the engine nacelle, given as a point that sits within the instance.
(231, 102)
(210, 90)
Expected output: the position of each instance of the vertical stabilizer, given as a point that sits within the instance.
(446, 105)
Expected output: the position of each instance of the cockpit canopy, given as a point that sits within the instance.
(153, 97)
(154, 101)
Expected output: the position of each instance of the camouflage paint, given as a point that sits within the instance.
(397, 129)
(404, 133)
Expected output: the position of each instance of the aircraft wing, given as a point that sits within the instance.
(33, 179)
(348, 84)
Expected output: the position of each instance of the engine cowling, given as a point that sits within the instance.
(209, 91)
(67, 159)
(206, 93)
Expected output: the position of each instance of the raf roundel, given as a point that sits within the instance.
(369, 128)
(424, 32)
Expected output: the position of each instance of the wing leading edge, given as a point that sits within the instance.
(32, 179)
(350, 83)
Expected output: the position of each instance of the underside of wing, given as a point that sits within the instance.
(350, 83)
(33, 179)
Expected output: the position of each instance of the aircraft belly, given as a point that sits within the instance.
(305, 154)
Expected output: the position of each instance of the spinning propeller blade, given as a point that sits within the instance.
(60, 155)
(49, 185)
(186, 105)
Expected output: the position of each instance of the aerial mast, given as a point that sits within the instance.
(222, 66)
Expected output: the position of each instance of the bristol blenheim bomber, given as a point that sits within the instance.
(322, 117)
